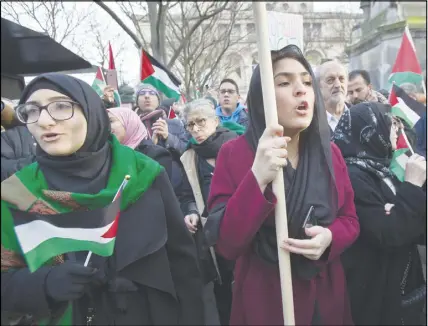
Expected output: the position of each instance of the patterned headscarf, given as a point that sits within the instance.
(134, 128)
(363, 136)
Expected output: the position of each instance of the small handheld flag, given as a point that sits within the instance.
(111, 232)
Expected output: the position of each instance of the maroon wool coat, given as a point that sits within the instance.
(256, 291)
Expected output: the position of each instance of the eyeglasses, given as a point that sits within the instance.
(396, 124)
(59, 111)
(198, 122)
(144, 92)
(230, 91)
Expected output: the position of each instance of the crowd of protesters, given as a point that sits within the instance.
(196, 241)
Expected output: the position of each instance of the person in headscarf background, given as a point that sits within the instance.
(242, 204)
(152, 278)
(169, 133)
(383, 267)
(130, 131)
(199, 162)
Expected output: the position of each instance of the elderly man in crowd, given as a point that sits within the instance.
(333, 80)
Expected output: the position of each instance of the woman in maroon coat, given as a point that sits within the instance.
(242, 204)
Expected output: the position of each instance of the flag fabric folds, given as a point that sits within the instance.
(43, 237)
(405, 107)
(406, 68)
(154, 73)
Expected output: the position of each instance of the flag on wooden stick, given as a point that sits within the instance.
(43, 237)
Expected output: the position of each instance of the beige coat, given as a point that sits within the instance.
(189, 162)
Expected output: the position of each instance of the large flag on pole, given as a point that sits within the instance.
(154, 73)
(406, 68)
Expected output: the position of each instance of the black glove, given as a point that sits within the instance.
(69, 281)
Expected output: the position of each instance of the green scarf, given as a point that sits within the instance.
(125, 161)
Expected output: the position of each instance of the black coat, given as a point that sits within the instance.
(376, 263)
(153, 249)
(17, 150)
(157, 153)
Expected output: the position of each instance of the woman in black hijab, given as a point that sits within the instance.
(317, 187)
(151, 278)
(383, 268)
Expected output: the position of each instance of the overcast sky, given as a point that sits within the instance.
(128, 60)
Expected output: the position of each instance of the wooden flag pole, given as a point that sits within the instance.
(271, 115)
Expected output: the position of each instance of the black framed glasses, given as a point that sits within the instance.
(147, 91)
(230, 91)
(58, 110)
(198, 122)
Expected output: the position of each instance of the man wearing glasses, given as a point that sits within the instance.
(230, 109)
(168, 133)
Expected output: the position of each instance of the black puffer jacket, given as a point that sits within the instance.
(17, 150)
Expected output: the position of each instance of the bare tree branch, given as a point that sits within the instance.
(203, 16)
(119, 22)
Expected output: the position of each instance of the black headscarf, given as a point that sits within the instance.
(311, 184)
(363, 137)
(87, 170)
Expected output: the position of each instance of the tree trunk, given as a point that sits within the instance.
(157, 14)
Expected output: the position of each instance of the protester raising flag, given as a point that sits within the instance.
(155, 74)
(406, 69)
(99, 84)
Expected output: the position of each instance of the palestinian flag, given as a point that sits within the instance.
(410, 111)
(405, 107)
(399, 162)
(43, 237)
(406, 68)
(155, 74)
(99, 83)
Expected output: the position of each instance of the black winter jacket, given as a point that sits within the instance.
(18, 149)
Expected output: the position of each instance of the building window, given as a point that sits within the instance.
(222, 28)
(317, 28)
(251, 28)
(237, 29)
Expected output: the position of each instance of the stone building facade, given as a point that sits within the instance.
(326, 35)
